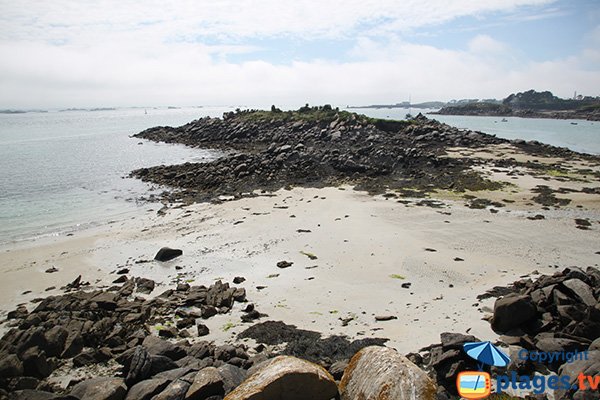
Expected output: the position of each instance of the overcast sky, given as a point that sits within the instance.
(124, 53)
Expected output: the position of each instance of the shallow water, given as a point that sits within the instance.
(62, 170)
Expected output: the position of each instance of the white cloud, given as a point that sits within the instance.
(483, 44)
(156, 53)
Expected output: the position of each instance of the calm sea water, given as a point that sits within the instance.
(62, 171)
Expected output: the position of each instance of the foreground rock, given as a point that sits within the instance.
(113, 331)
(381, 373)
(287, 378)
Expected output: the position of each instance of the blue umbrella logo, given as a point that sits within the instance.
(486, 354)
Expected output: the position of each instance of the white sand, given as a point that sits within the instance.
(360, 242)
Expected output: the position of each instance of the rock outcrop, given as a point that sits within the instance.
(377, 373)
(287, 378)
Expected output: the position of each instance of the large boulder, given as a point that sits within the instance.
(513, 311)
(167, 253)
(100, 389)
(382, 373)
(288, 378)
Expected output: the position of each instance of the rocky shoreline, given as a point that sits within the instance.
(318, 147)
(497, 110)
(114, 344)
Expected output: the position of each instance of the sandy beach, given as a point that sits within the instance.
(355, 257)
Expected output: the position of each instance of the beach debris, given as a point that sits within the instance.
(303, 230)
(309, 255)
(284, 264)
(167, 253)
(387, 317)
(238, 279)
(458, 259)
(583, 224)
(397, 276)
(51, 270)
(429, 249)
(536, 217)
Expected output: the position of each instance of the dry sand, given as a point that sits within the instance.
(366, 248)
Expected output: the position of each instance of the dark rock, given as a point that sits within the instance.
(139, 367)
(106, 300)
(160, 364)
(10, 366)
(225, 353)
(183, 287)
(512, 311)
(202, 330)
(161, 347)
(100, 389)
(385, 317)
(231, 376)
(238, 279)
(166, 254)
(175, 373)
(35, 363)
(168, 332)
(581, 290)
(207, 382)
(589, 367)
(86, 357)
(23, 383)
(29, 394)
(184, 323)
(145, 390)
(120, 279)
(455, 340)
(73, 345)
(176, 390)
(209, 311)
(284, 264)
(144, 285)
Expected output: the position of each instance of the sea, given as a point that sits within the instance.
(67, 170)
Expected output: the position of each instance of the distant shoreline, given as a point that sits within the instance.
(588, 116)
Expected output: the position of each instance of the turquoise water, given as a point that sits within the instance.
(62, 171)
(583, 137)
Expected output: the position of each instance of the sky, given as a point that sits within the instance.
(66, 53)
